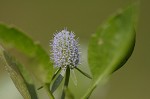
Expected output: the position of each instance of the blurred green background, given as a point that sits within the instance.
(41, 18)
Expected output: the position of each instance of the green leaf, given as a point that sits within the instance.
(112, 45)
(39, 59)
(57, 82)
(19, 75)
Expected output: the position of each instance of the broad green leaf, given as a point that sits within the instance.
(39, 59)
(111, 46)
(19, 75)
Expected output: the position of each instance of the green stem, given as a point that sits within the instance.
(49, 92)
(57, 71)
(66, 83)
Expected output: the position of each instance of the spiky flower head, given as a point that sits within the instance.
(65, 50)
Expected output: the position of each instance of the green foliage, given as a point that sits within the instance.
(39, 59)
(108, 50)
(40, 64)
(20, 77)
(111, 46)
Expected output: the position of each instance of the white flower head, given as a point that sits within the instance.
(65, 50)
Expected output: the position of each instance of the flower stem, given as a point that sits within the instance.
(49, 92)
(66, 83)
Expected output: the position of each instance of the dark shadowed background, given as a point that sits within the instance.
(41, 18)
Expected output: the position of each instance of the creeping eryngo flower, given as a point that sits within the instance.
(65, 50)
(65, 55)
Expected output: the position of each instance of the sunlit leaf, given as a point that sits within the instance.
(111, 46)
(39, 59)
(19, 75)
